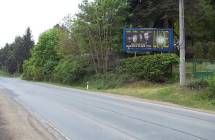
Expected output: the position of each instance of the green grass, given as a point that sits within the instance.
(171, 93)
(6, 74)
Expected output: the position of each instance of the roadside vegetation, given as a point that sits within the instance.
(4, 74)
(87, 49)
(7, 74)
(13, 55)
(201, 98)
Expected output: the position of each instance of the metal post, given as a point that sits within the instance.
(182, 44)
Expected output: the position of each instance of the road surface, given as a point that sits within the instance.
(82, 115)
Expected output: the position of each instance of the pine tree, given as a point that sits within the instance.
(23, 46)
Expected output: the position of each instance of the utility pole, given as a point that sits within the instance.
(182, 44)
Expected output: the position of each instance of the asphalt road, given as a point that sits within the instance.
(83, 115)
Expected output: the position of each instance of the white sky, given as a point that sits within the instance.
(39, 15)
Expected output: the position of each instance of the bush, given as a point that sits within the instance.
(32, 72)
(212, 88)
(48, 69)
(156, 68)
(107, 80)
(28, 70)
(69, 70)
(198, 51)
(198, 84)
(211, 50)
(207, 85)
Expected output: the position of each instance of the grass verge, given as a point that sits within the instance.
(171, 93)
(6, 74)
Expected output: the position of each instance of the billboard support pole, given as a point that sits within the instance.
(182, 44)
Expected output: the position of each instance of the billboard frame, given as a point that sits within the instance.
(142, 50)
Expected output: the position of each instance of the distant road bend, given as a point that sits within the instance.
(83, 115)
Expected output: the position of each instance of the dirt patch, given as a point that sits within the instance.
(4, 133)
(17, 124)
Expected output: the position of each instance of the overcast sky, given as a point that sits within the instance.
(39, 15)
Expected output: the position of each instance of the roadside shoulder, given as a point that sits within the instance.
(17, 123)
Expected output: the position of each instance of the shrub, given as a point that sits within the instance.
(48, 69)
(28, 70)
(198, 50)
(37, 73)
(107, 80)
(31, 71)
(211, 50)
(212, 88)
(198, 84)
(69, 70)
(150, 67)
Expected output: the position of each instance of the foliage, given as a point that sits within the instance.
(98, 28)
(152, 67)
(13, 55)
(145, 13)
(198, 84)
(44, 57)
(212, 88)
(198, 50)
(28, 70)
(199, 25)
(23, 47)
(172, 93)
(202, 50)
(211, 50)
(31, 72)
(107, 80)
(95, 34)
(69, 70)
(204, 84)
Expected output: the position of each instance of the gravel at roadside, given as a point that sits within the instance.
(17, 124)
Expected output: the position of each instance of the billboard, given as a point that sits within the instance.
(147, 40)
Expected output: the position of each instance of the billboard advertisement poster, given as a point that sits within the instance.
(146, 40)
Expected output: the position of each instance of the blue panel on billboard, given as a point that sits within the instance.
(148, 40)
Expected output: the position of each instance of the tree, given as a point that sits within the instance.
(13, 55)
(7, 60)
(199, 19)
(44, 56)
(153, 13)
(22, 48)
(98, 28)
